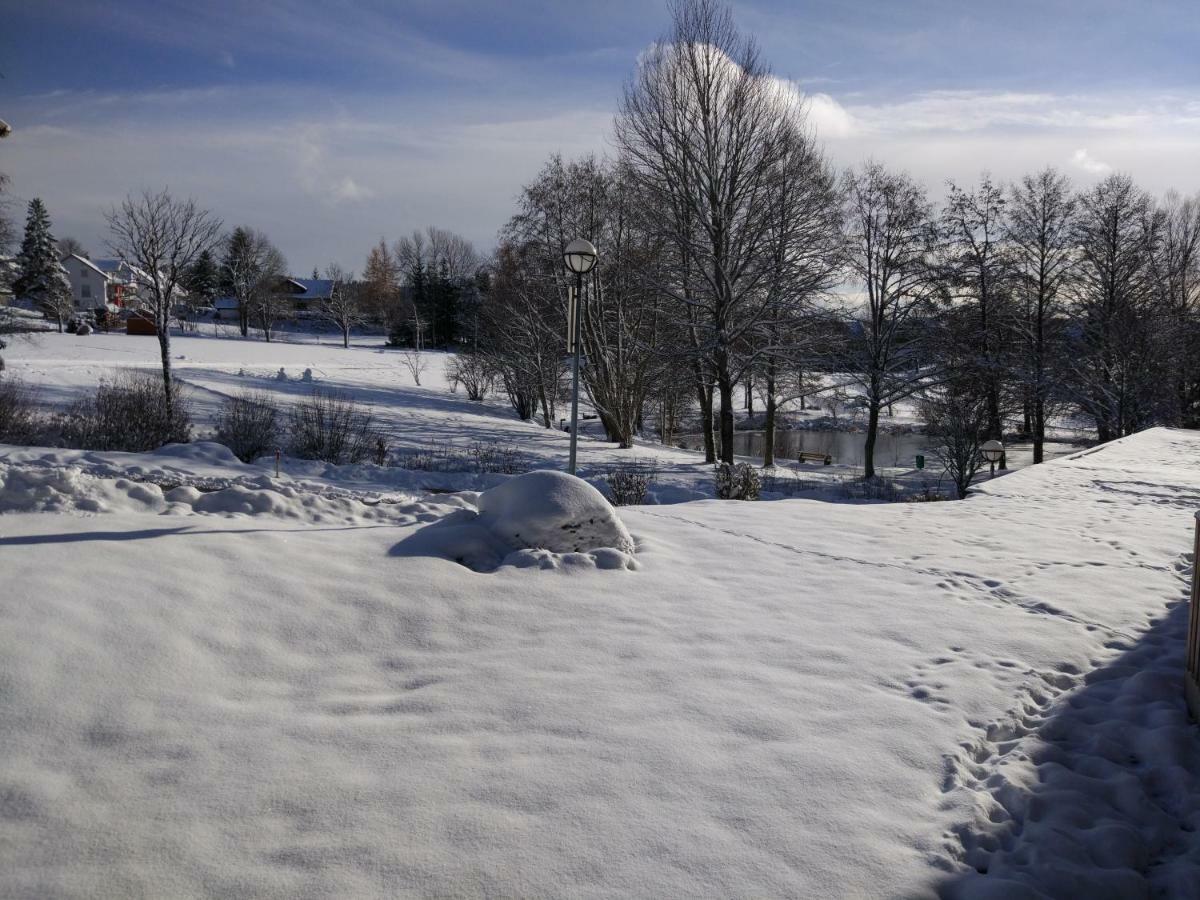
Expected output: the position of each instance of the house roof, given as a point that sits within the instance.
(311, 288)
(112, 267)
(87, 262)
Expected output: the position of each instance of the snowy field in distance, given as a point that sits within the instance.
(262, 694)
(415, 418)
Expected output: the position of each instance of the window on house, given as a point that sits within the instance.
(85, 290)
(83, 271)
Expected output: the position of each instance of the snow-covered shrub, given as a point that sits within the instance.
(552, 511)
(492, 457)
(249, 425)
(628, 486)
(331, 427)
(19, 421)
(129, 413)
(473, 372)
(481, 456)
(737, 482)
(876, 488)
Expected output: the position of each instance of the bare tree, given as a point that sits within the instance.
(976, 271)
(1118, 367)
(720, 151)
(8, 228)
(416, 362)
(1177, 272)
(622, 324)
(344, 309)
(956, 420)
(890, 239)
(1040, 221)
(68, 246)
(250, 270)
(521, 343)
(161, 237)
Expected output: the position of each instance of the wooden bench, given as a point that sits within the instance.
(806, 456)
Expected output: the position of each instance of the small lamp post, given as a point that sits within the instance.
(992, 451)
(580, 257)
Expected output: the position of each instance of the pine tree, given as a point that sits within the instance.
(204, 279)
(42, 277)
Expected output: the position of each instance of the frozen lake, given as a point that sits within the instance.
(847, 447)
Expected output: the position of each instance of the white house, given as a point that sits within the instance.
(95, 282)
(89, 283)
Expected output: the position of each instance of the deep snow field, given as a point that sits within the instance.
(215, 682)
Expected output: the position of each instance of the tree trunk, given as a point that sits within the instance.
(872, 434)
(769, 424)
(1039, 429)
(705, 393)
(164, 348)
(725, 390)
(346, 338)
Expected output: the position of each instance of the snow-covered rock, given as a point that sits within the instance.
(552, 511)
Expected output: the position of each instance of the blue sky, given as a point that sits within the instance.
(331, 124)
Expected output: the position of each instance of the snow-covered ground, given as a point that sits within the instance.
(273, 689)
(428, 420)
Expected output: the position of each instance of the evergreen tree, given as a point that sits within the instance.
(204, 279)
(42, 277)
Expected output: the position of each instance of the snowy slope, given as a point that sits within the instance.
(786, 699)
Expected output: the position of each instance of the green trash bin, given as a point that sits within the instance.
(920, 460)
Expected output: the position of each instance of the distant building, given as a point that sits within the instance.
(307, 295)
(96, 282)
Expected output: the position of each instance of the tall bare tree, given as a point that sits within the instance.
(977, 274)
(716, 146)
(890, 241)
(1177, 272)
(161, 237)
(1117, 361)
(344, 309)
(1040, 222)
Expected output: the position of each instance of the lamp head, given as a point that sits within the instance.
(580, 256)
(992, 450)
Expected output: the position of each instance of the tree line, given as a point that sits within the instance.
(733, 254)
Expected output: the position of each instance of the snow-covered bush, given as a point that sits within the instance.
(628, 486)
(485, 457)
(737, 482)
(552, 511)
(473, 372)
(331, 427)
(249, 425)
(129, 413)
(19, 421)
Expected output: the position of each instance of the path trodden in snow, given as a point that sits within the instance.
(785, 699)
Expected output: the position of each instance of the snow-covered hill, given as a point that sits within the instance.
(260, 695)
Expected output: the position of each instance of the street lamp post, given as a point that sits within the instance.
(580, 257)
(992, 451)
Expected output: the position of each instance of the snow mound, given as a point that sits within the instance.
(540, 520)
(552, 511)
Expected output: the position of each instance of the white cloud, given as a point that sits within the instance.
(349, 189)
(1081, 159)
(830, 119)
